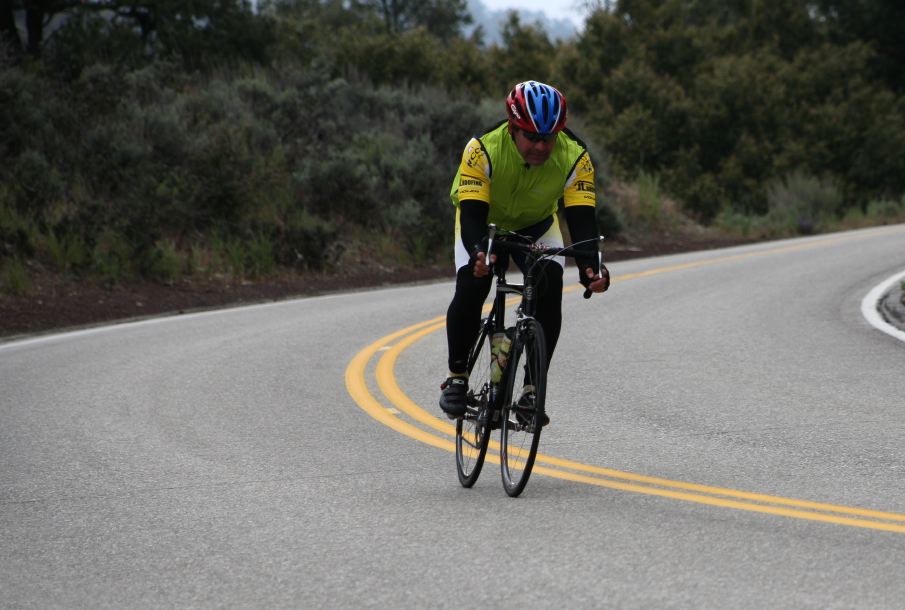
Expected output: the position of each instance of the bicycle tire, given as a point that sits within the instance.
(473, 428)
(521, 426)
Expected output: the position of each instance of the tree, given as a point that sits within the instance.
(527, 53)
(442, 18)
(876, 22)
(9, 33)
(188, 27)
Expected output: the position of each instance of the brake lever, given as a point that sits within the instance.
(587, 291)
(491, 233)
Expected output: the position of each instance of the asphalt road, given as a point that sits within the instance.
(728, 431)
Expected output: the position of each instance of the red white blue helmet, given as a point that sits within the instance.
(536, 107)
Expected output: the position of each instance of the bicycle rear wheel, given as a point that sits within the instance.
(523, 408)
(473, 428)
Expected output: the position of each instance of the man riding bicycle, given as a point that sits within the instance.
(514, 176)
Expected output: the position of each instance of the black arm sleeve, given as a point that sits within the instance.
(473, 224)
(582, 223)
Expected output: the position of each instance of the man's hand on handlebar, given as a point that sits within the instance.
(595, 282)
(481, 268)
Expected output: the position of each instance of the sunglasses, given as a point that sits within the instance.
(538, 137)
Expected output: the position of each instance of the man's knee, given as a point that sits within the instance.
(472, 287)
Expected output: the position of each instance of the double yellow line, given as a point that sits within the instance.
(406, 417)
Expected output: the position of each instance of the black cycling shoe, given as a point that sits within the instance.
(524, 410)
(452, 399)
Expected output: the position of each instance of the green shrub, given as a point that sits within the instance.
(410, 57)
(402, 214)
(164, 131)
(18, 233)
(650, 205)
(259, 256)
(67, 251)
(35, 181)
(306, 242)
(854, 217)
(112, 256)
(164, 262)
(609, 220)
(113, 157)
(803, 203)
(733, 222)
(885, 209)
(100, 88)
(748, 226)
(219, 168)
(232, 253)
(15, 277)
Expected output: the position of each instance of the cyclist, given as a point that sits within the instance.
(514, 175)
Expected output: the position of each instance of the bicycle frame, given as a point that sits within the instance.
(526, 290)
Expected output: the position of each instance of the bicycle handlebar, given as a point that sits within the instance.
(542, 251)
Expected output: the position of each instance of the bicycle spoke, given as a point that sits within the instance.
(472, 432)
(526, 385)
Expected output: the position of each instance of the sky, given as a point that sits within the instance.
(556, 9)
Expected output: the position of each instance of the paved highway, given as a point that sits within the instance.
(727, 431)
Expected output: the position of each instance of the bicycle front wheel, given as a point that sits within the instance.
(473, 428)
(523, 407)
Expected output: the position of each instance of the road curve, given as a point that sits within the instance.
(727, 430)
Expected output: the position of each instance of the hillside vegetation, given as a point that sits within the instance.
(174, 139)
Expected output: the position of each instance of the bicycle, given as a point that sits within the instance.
(508, 391)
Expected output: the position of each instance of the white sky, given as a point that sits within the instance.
(557, 9)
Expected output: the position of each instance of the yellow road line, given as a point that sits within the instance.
(802, 509)
(389, 387)
(358, 389)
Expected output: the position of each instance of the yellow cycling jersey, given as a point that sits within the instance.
(520, 195)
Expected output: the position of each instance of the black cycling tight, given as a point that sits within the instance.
(463, 317)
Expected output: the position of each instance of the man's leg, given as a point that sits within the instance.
(548, 307)
(463, 318)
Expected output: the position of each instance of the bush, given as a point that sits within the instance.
(609, 220)
(886, 210)
(411, 57)
(67, 252)
(18, 232)
(164, 262)
(733, 222)
(803, 203)
(112, 256)
(702, 196)
(650, 205)
(259, 260)
(15, 277)
(35, 181)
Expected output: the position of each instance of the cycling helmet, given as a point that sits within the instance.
(536, 107)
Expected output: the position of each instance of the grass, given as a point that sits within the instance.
(15, 278)
(67, 251)
(650, 200)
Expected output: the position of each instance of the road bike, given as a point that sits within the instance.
(507, 370)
